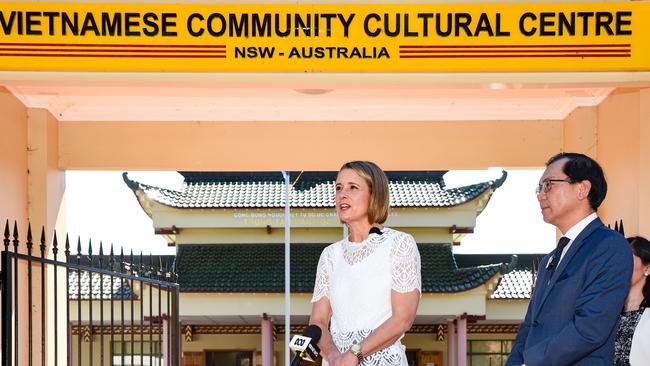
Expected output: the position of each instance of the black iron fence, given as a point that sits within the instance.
(119, 310)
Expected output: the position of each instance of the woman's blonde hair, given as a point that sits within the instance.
(378, 183)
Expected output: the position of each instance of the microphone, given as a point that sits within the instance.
(375, 230)
(305, 345)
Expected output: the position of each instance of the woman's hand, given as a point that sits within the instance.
(344, 359)
(321, 313)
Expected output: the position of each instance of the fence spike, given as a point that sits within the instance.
(42, 246)
(121, 259)
(29, 239)
(101, 255)
(55, 245)
(111, 258)
(90, 250)
(616, 226)
(15, 233)
(6, 236)
(78, 247)
(67, 247)
(131, 263)
(29, 231)
(621, 228)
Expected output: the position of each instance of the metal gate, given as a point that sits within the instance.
(119, 310)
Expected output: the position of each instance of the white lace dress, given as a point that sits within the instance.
(357, 278)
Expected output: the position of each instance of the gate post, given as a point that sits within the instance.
(176, 327)
(7, 332)
(166, 336)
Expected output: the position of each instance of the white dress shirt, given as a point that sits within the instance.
(573, 233)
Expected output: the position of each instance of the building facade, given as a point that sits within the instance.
(229, 232)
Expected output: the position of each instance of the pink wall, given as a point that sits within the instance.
(13, 160)
(619, 144)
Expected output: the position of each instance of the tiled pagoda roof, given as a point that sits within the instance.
(514, 285)
(260, 268)
(311, 190)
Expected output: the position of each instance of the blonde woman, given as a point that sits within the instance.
(367, 285)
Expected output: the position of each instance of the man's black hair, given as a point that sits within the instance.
(580, 167)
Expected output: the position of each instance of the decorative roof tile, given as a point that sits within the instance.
(155, 267)
(119, 289)
(441, 274)
(260, 268)
(310, 190)
(514, 284)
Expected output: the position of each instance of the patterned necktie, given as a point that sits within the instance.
(558, 253)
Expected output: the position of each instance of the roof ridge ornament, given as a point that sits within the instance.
(499, 182)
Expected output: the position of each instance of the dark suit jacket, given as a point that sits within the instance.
(572, 315)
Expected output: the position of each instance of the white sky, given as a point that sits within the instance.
(101, 207)
(512, 221)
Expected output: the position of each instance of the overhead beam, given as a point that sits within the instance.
(270, 146)
(318, 80)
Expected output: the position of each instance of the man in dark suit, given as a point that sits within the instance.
(582, 284)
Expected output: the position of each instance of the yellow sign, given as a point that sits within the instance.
(600, 36)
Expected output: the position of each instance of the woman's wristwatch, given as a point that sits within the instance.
(355, 348)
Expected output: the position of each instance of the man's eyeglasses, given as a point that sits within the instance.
(546, 185)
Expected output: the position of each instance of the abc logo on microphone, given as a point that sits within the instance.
(305, 346)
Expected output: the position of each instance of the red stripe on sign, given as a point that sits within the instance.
(112, 50)
(109, 45)
(107, 55)
(520, 46)
(518, 55)
(425, 52)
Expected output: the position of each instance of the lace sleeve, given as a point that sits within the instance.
(405, 264)
(323, 271)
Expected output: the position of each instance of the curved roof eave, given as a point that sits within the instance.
(211, 195)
